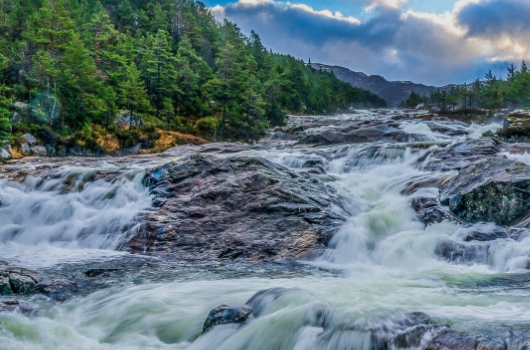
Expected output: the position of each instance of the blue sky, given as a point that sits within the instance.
(434, 42)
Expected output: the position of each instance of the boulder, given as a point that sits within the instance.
(39, 151)
(360, 132)
(429, 211)
(461, 154)
(491, 190)
(516, 127)
(29, 139)
(4, 154)
(19, 281)
(513, 338)
(234, 207)
(25, 149)
(226, 315)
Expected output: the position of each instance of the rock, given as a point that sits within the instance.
(482, 232)
(25, 149)
(99, 272)
(491, 190)
(262, 299)
(4, 154)
(463, 253)
(226, 315)
(8, 305)
(461, 154)
(516, 127)
(236, 208)
(29, 139)
(429, 211)
(39, 151)
(359, 132)
(21, 281)
(397, 332)
(516, 339)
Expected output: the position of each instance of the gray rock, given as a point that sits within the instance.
(360, 132)
(30, 139)
(39, 151)
(4, 154)
(25, 149)
(490, 190)
(516, 127)
(461, 154)
(227, 315)
(22, 283)
(236, 208)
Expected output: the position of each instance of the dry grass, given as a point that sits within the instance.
(108, 141)
(169, 139)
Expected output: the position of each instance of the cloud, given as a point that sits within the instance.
(454, 46)
(505, 21)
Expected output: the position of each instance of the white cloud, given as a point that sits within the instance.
(435, 48)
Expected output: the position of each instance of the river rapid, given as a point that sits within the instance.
(381, 263)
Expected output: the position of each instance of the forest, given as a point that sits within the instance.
(70, 68)
(491, 94)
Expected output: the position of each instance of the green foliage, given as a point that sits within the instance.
(414, 100)
(492, 93)
(165, 63)
(5, 114)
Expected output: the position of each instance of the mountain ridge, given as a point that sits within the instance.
(394, 92)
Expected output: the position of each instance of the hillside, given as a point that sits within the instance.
(394, 92)
(73, 69)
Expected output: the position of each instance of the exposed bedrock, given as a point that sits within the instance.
(236, 208)
(492, 190)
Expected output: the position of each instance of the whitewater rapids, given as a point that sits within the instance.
(381, 262)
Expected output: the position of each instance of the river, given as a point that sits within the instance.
(381, 263)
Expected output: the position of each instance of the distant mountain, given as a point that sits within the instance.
(392, 91)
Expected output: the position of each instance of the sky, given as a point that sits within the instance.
(435, 42)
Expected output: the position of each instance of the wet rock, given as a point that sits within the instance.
(461, 154)
(359, 132)
(263, 298)
(236, 208)
(226, 315)
(451, 340)
(463, 252)
(425, 181)
(491, 190)
(21, 281)
(99, 272)
(403, 331)
(29, 139)
(8, 305)
(483, 232)
(39, 151)
(429, 211)
(516, 127)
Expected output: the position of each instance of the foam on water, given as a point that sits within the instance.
(387, 261)
(71, 209)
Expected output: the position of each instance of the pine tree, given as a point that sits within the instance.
(5, 114)
(134, 96)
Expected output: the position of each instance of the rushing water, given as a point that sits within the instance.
(382, 263)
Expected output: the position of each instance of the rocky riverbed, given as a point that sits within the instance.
(384, 229)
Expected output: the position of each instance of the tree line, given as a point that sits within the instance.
(81, 65)
(492, 93)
